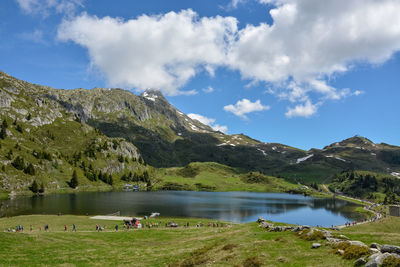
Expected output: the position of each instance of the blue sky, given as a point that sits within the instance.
(302, 73)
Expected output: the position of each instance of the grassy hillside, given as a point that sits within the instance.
(236, 245)
(368, 185)
(209, 176)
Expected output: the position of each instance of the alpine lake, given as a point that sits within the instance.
(238, 207)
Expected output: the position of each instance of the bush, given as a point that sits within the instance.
(34, 187)
(252, 262)
(18, 163)
(315, 235)
(355, 252)
(391, 262)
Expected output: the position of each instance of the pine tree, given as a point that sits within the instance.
(41, 189)
(30, 169)
(4, 125)
(18, 163)
(74, 180)
(34, 187)
(3, 133)
(19, 128)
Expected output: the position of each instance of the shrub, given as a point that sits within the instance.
(252, 262)
(315, 235)
(391, 261)
(355, 252)
(34, 187)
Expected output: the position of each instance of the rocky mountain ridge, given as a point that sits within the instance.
(149, 127)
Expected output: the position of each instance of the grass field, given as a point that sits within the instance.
(233, 245)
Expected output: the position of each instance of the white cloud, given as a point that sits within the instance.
(245, 106)
(163, 51)
(45, 7)
(209, 121)
(307, 43)
(303, 110)
(208, 90)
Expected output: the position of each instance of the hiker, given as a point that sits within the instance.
(97, 227)
(65, 228)
(30, 228)
(46, 227)
(116, 227)
(74, 227)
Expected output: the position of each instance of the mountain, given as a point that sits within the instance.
(123, 132)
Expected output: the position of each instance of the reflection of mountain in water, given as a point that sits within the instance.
(230, 206)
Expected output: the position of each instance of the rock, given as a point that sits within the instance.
(390, 249)
(286, 228)
(266, 225)
(296, 229)
(357, 243)
(340, 251)
(277, 229)
(378, 260)
(360, 262)
(343, 237)
(374, 251)
(375, 245)
(316, 245)
(310, 232)
(333, 240)
(305, 227)
(261, 219)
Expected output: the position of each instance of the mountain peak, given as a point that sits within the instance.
(152, 94)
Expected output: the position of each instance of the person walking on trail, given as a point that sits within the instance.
(65, 228)
(116, 227)
(74, 227)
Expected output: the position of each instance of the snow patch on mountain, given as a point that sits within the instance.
(304, 159)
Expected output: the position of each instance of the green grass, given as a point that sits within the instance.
(222, 246)
(209, 176)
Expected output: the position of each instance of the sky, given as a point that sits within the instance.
(305, 73)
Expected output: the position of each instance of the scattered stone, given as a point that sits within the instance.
(378, 260)
(374, 251)
(316, 245)
(333, 240)
(343, 237)
(375, 245)
(340, 251)
(277, 229)
(357, 243)
(261, 219)
(360, 262)
(390, 249)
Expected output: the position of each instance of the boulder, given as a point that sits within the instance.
(277, 229)
(374, 251)
(296, 229)
(316, 245)
(375, 245)
(343, 237)
(261, 219)
(360, 262)
(340, 251)
(357, 243)
(378, 259)
(390, 249)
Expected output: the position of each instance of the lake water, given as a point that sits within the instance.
(228, 206)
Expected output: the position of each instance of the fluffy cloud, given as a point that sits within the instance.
(209, 121)
(162, 51)
(45, 7)
(245, 106)
(303, 110)
(307, 43)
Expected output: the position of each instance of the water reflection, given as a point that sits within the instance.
(230, 206)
